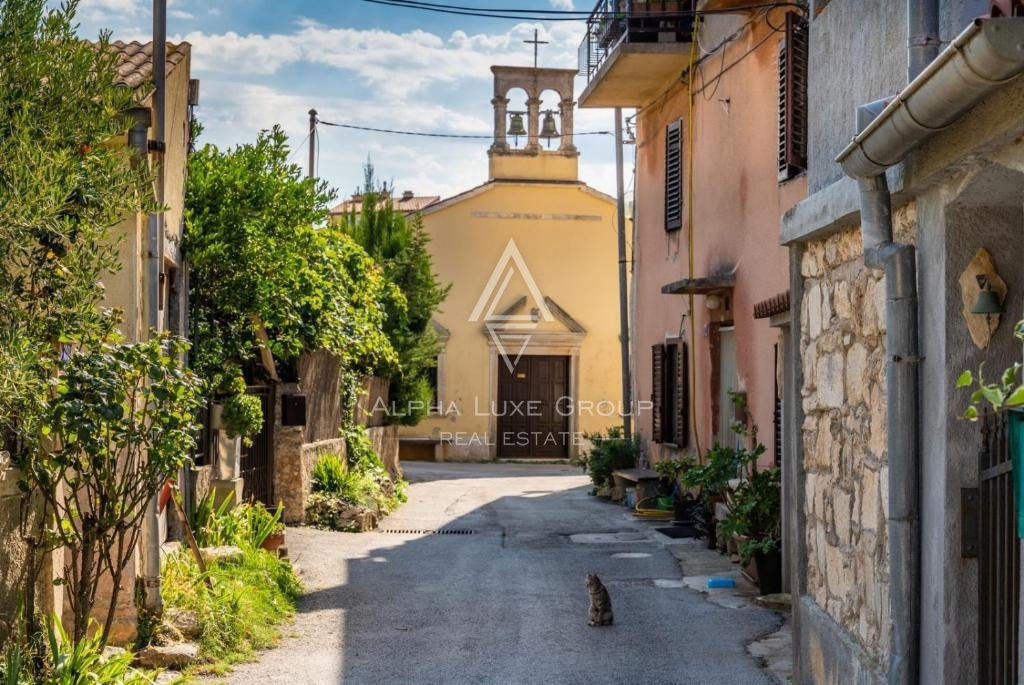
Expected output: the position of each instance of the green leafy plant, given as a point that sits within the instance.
(329, 473)
(60, 205)
(251, 595)
(755, 512)
(260, 523)
(400, 245)
(673, 470)
(242, 416)
(721, 464)
(1005, 393)
(120, 421)
(83, 662)
(270, 279)
(608, 452)
(247, 525)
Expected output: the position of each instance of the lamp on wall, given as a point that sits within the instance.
(988, 300)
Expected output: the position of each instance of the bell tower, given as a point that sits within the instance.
(533, 140)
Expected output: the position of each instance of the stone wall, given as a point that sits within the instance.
(385, 444)
(844, 436)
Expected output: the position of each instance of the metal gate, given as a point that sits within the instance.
(258, 458)
(998, 557)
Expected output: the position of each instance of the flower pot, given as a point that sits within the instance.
(769, 571)
(273, 541)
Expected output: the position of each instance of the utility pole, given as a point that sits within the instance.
(312, 143)
(627, 393)
(155, 249)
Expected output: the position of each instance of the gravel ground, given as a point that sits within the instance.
(507, 603)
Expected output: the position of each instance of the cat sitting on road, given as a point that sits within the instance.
(600, 602)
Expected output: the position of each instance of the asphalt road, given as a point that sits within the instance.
(507, 603)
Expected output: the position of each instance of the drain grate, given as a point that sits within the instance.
(439, 531)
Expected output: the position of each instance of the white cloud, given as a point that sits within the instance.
(393, 64)
(566, 5)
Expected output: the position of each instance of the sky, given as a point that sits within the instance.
(266, 62)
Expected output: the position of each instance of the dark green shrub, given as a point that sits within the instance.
(329, 473)
(608, 452)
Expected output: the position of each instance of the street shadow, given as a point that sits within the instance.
(502, 599)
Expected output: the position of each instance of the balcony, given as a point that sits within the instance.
(633, 49)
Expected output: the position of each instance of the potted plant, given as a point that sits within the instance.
(755, 519)
(609, 452)
(722, 464)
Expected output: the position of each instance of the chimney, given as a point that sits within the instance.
(407, 195)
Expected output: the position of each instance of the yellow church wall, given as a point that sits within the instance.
(566, 235)
(542, 165)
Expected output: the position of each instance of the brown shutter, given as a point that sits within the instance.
(657, 390)
(682, 436)
(674, 176)
(793, 97)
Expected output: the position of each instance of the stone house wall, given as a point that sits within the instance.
(844, 435)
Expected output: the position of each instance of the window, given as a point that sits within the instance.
(674, 177)
(670, 393)
(793, 98)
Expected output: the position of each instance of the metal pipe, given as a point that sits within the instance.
(989, 53)
(312, 143)
(923, 41)
(154, 602)
(627, 401)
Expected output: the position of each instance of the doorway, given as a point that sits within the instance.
(532, 422)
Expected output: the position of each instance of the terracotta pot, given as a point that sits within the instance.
(273, 541)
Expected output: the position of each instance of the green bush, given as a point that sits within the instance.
(755, 512)
(329, 473)
(250, 597)
(242, 416)
(609, 452)
(246, 525)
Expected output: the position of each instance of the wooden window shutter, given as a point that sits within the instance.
(793, 53)
(657, 390)
(674, 176)
(682, 389)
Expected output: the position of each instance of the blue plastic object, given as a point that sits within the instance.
(720, 583)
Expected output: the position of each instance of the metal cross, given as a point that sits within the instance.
(536, 44)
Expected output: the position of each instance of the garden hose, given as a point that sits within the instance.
(650, 513)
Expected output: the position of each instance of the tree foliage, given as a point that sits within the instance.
(78, 410)
(400, 246)
(264, 261)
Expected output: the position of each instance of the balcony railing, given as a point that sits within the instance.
(615, 22)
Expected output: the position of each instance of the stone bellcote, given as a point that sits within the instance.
(531, 158)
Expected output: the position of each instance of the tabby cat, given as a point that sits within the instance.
(600, 602)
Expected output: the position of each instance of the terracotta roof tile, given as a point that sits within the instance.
(135, 67)
(404, 204)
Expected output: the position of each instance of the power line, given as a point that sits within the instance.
(554, 15)
(437, 135)
(520, 15)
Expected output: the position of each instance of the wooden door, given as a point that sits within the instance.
(532, 422)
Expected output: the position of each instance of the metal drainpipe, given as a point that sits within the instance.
(151, 522)
(902, 351)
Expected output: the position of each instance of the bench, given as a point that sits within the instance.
(644, 480)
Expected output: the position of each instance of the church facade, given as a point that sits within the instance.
(530, 329)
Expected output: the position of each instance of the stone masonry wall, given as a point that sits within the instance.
(844, 435)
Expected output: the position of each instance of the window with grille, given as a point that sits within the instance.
(670, 394)
(674, 177)
(793, 98)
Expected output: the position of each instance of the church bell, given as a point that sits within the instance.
(516, 127)
(548, 129)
